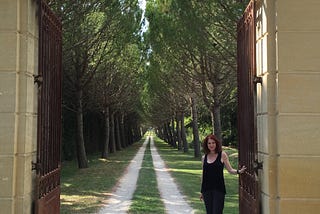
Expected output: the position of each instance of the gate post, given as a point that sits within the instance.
(18, 104)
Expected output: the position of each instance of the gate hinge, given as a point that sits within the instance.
(257, 165)
(35, 166)
(257, 80)
(38, 80)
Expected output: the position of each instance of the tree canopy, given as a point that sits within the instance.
(121, 76)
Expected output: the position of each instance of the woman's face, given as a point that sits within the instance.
(211, 145)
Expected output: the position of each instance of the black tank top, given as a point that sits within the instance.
(212, 175)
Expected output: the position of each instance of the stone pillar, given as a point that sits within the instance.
(298, 120)
(288, 33)
(18, 104)
(267, 101)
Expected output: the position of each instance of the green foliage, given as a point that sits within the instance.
(188, 50)
(101, 60)
(192, 51)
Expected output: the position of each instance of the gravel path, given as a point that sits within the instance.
(174, 201)
(120, 200)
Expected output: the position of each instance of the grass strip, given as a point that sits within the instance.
(83, 190)
(186, 171)
(146, 198)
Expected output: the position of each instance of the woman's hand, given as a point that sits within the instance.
(243, 168)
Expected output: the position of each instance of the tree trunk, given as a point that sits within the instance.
(118, 138)
(216, 120)
(105, 150)
(194, 113)
(183, 134)
(170, 133)
(81, 151)
(136, 132)
(167, 130)
(123, 131)
(112, 134)
(216, 112)
(174, 136)
(179, 133)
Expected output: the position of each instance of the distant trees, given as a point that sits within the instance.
(193, 48)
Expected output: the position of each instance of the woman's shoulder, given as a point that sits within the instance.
(223, 154)
(203, 157)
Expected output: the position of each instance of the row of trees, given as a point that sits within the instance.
(177, 76)
(102, 75)
(192, 66)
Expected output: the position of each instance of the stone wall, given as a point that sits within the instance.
(18, 104)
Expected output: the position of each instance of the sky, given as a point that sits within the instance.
(142, 4)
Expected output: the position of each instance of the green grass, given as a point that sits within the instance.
(83, 191)
(146, 198)
(186, 170)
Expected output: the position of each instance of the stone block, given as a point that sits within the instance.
(298, 51)
(7, 133)
(6, 176)
(23, 205)
(8, 92)
(23, 52)
(268, 175)
(6, 205)
(299, 93)
(299, 177)
(299, 134)
(266, 134)
(8, 15)
(32, 18)
(8, 51)
(24, 170)
(268, 204)
(27, 94)
(27, 135)
(32, 56)
(297, 15)
(22, 21)
(294, 206)
(261, 20)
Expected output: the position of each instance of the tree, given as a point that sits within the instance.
(201, 35)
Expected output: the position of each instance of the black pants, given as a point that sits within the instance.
(214, 201)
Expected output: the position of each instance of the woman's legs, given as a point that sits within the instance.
(208, 199)
(218, 202)
(214, 202)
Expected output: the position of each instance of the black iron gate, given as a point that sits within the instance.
(249, 192)
(49, 112)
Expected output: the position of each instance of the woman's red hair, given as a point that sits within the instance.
(216, 140)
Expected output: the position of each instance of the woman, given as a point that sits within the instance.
(213, 189)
